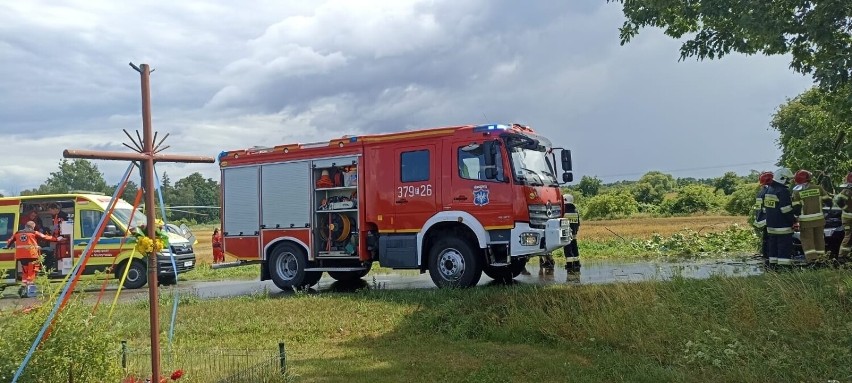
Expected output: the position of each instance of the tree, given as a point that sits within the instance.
(195, 190)
(727, 183)
(78, 174)
(589, 186)
(129, 191)
(813, 136)
(652, 187)
(817, 33)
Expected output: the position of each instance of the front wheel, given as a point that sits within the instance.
(453, 262)
(287, 268)
(137, 275)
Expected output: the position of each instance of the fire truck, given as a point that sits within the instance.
(454, 201)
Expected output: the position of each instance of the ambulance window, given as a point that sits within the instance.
(7, 227)
(89, 220)
(472, 163)
(414, 166)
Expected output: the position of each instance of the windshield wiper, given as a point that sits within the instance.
(532, 183)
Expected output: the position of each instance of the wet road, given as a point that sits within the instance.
(593, 272)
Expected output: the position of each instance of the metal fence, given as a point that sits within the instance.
(210, 365)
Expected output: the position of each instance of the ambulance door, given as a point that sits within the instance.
(8, 216)
(416, 186)
(85, 228)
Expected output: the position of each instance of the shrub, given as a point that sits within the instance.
(742, 199)
(79, 343)
(610, 205)
(692, 199)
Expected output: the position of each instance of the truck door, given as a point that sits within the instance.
(8, 217)
(86, 226)
(487, 195)
(416, 186)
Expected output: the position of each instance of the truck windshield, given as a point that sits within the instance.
(530, 163)
(123, 216)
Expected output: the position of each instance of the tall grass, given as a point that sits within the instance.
(784, 327)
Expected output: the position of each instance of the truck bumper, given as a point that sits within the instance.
(533, 241)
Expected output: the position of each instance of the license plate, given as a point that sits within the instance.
(187, 263)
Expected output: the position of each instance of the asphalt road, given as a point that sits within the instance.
(593, 272)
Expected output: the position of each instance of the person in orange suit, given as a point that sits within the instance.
(218, 253)
(27, 249)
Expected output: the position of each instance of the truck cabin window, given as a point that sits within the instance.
(472, 164)
(7, 226)
(414, 166)
(531, 164)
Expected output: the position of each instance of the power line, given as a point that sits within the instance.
(689, 169)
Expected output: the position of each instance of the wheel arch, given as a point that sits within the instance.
(468, 229)
(271, 246)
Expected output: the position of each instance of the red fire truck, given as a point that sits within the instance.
(456, 201)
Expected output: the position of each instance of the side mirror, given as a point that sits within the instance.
(112, 231)
(566, 161)
(490, 150)
(567, 177)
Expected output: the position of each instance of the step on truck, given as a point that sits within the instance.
(453, 201)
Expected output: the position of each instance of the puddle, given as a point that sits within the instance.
(592, 272)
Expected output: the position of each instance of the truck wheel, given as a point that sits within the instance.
(137, 275)
(287, 268)
(454, 263)
(505, 273)
(349, 276)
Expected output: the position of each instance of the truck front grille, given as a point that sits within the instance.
(539, 214)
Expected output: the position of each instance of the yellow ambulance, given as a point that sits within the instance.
(84, 211)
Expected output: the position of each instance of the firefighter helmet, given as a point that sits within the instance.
(765, 178)
(802, 176)
(570, 199)
(782, 175)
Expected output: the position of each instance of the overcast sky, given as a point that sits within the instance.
(230, 75)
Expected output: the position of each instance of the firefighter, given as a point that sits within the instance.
(572, 252)
(27, 249)
(218, 254)
(844, 201)
(764, 180)
(808, 199)
(777, 201)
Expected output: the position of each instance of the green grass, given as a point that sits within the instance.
(786, 327)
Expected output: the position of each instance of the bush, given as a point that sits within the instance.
(689, 242)
(79, 343)
(742, 199)
(610, 205)
(692, 199)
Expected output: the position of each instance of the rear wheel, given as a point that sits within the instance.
(137, 275)
(287, 268)
(453, 262)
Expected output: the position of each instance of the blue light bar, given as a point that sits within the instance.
(492, 127)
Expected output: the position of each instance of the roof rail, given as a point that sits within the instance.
(85, 192)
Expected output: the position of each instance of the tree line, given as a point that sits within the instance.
(192, 190)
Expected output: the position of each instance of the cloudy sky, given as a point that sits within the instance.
(271, 72)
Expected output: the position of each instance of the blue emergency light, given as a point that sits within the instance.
(488, 128)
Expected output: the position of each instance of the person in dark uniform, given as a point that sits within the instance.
(572, 252)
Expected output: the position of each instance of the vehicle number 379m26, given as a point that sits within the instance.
(414, 191)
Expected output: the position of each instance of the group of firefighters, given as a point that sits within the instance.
(28, 241)
(779, 208)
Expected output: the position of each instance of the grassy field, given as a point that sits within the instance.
(771, 328)
(607, 239)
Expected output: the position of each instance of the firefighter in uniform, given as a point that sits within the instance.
(807, 204)
(572, 252)
(844, 201)
(764, 179)
(27, 249)
(777, 201)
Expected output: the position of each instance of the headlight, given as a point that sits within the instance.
(529, 239)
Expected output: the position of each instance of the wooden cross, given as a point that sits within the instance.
(147, 155)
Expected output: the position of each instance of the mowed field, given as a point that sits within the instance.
(604, 230)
